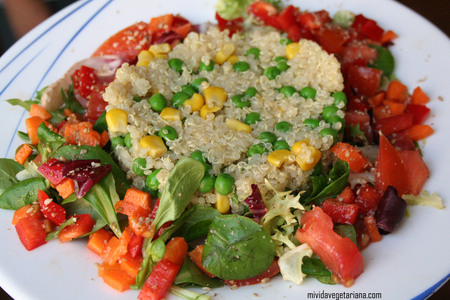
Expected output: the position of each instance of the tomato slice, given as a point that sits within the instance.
(417, 171)
(339, 254)
(128, 42)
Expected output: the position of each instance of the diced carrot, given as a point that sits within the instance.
(66, 188)
(419, 96)
(183, 30)
(23, 153)
(117, 248)
(381, 112)
(125, 208)
(346, 152)
(176, 250)
(104, 138)
(394, 107)
(98, 241)
(83, 225)
(419, 131)
(163, 22)
(196, 257)
(131, 265)
(25, 211)
(110, 249)
(115, 276)
(81, 133)
(371, 225)
(39, 111)
(32, 125)
(377, 100)
(396, 91)
(138, 197)
(388, 37)
(346, 196)
(140, 222)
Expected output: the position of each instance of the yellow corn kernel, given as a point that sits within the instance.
(308, 157)
(233, 59)
(215, 96)
(292, 49)
(117, 120)
(160, 48)
(206, 109)
(224, 53)
(161, 56)
(154, 144)
(170, 113)
(238, 125)
(196, 102)
(144, 58)
(222, 203)
(297, 147)
(279, 157)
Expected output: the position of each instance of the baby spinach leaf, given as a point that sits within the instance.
(190, 275)
(197, 223)
(385, 61)
(183, 181)
(237, 248)
(23, 136)
(24, 103)
(71, 102)
(54, 234)
(345, 230)
(8, 170)
(81, 206)
(100, 125)
(73, 152)
(49, 142)
(314, 267)
(22, 193)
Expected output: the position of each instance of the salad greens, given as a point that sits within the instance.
(8, 171)
(22, 193)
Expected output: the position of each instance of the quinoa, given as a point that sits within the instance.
(224, 148)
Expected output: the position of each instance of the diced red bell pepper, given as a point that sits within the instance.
(346, 196)
(367, 198)
(358, 103)
(31, 232)
(273, 270)
(233, 26)
(389, 168)
(339, 212)
(394, 124)
(346, 152)
(135, 245)
(51, 210)
(367, 28)
(401, 141)
(265, 12)
(83, 224)
(340, 255)
(288, 22)
(52, 170)
(364, 80)
(417, 171)
(332, 39)
(420, 112)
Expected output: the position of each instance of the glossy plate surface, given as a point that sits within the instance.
(411, 262)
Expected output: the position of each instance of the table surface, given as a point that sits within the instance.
(436, 11)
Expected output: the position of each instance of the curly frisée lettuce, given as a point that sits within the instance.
(291, 262)
(425, 199)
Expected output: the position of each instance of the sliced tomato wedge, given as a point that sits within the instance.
(417, 171)
(340, 255)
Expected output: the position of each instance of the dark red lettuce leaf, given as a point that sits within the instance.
(391, 210)
(255, 203)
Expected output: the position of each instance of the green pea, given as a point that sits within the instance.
(127, 140)
(176, 64)
(241, 66)
(339, 97)
(116, 141)
(168, 133)
(308, 92)
(205, 67)
(329, 112)
(179, 98)
(188, 89)
(272, 72)
(329, 131)
(138, 166)
(207, 184)
(224, 184)
(279, 59)
(253, 51)
(283, 126)
(256, 149)
(335, 119)
(267, 137)
(198, 155)
(288, 91)
(151, 181)
(281, 144)
(286, 41)
(137, 99)
(252, 118)
(157, 102)
(240, 102)
(313, 123)
(283, 66)
(196, 83)
(250, 92)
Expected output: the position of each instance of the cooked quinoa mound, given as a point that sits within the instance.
(226, 148)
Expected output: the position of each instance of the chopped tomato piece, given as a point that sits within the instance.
(358, 53)
(417, 171)
(332, 39)
(355, 119)
(135, 245)
(367, 199)
(51, 210)
(401, 141)
(420, 112)
(358, 103)
(265, 12)
(273, 270)
(346, 152)
(364, 80)
(83, 225)
(346, 196)
(340, 255)
(394, 124)
(233, 26)
(367, 28)
(31, 232)
(339, 212)
(288, 22)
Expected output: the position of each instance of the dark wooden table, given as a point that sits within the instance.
(437, 12)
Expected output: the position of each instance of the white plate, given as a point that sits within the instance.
(411, 262)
